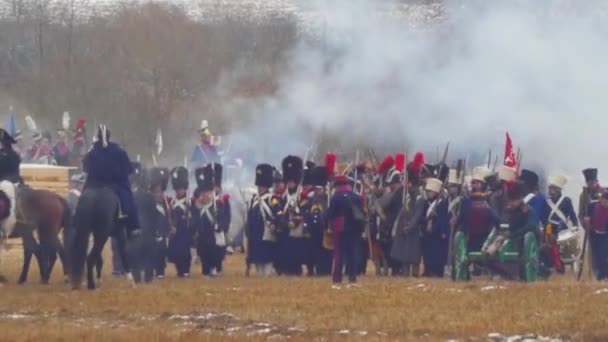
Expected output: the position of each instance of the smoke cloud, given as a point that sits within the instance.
(461, 71)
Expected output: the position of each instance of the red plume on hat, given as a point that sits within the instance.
(418, 162)
(386, 164)
(80, 123)
(400, 162)
(331, 160)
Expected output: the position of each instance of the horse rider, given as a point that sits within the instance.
(9, 159)
(108, 165)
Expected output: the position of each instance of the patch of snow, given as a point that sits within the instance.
(362, 333)
(344, 332)
(492, 287)
(600, 291)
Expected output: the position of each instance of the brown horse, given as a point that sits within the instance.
(45, 213)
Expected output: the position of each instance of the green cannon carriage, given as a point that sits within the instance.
(527, 261)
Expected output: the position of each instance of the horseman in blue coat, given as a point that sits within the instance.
(204, 152)
(108, 165)
(9, 159)
(261, 222)
(180, 239)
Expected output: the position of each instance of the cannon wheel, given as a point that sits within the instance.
(530, 258)
(460, 271)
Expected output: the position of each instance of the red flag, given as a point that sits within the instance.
(509, 154)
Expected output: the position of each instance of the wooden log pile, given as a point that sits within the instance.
(47, 177)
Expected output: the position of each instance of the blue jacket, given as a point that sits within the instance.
(340, 211)
(109, 166)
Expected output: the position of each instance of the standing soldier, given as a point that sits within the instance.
(389, 206)
(345, 214)
(596, 221)
(454, 202)
(307, 198)
(180, 240)
(591, 194)
(261, 222)
(79, 142)
(159, 180)
(477, 218)
(292, 244)
(534, 197)
(317, 223)
(433, 222)
(204, 152)
(498, 195)
(278, 197)
(407, 248)
(61, 150)
(559, 216)
(223, 220)
(204, 218)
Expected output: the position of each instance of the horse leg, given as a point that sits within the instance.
(122, 251)
(62, 257)
(98, 268)
(29, 248)
(93, 258)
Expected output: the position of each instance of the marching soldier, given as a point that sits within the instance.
(559, 216)
(204, 152)
(261, 222)
(159, 180)
(180, 239)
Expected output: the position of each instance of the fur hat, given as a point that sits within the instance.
(506, 173)
(204, 178)
(293, 169)
(590, 175)
(159, 176)
(480, 174)
(264, 175)
(558, 180)
(433, 184)
(179, 178)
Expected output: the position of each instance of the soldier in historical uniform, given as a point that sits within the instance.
(434, 225)
(498, 193)
(291, 252)
(224, 216)
(204, 218)
(9, 159)
(454, 201)
(307, 198)
(316, 222)
(108, 165)
(346, 218)
(79, 143)
(559, 216)
(407, 247)
(536, 199)
(40, 152)
(592, 192)
(159, 180)
(61, 149)
(596, 221)
(204, 152)
(180, 240)
(278, 197)
(261, 222)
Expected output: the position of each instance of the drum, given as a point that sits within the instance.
(569, 249)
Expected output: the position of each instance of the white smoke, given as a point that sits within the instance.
(465, 72)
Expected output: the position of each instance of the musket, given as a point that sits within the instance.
(519, 158)
(356, 172)
(445, 153)
(489, 158)
(495, 163)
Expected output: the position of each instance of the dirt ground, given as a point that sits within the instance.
(237, 308)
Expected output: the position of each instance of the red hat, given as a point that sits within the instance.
(340, 180)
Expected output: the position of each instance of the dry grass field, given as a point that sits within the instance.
(236, 308)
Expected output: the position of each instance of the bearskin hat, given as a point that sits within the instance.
(159, 176)
(264, 175)
(179, 178)
(204, 178)
(293, 168)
